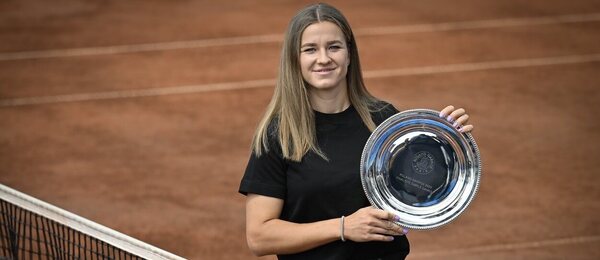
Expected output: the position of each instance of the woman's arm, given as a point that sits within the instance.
(267, 234)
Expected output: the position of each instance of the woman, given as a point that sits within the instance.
(304, 195)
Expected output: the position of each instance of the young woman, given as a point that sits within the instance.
(304, 194)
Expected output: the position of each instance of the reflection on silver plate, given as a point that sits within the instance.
(419, 167)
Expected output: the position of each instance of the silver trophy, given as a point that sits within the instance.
(419, 167)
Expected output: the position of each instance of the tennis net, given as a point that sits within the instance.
(33, 229)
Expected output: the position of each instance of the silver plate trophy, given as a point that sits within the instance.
(419, 167)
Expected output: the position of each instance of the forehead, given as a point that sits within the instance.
(322, 31)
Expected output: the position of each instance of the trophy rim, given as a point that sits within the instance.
(414, 218)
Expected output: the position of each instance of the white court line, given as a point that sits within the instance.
(483, 66)
(136, 93)
(274, 38)
(506, 247)
(480, 24)
(460, 67)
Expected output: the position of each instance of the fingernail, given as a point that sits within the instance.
(396, 218)
(449, 118)
(442, 114)
(391, 238)
(455, 124)
(404, 231)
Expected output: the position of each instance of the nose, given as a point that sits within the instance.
(323, 57)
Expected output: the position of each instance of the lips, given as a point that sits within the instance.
(324, 70)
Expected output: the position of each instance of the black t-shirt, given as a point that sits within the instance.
(315, 189)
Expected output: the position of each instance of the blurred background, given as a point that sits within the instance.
(139, 114)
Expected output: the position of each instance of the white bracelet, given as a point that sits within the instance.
(342, 229)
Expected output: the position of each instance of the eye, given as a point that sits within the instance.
(335, 47)
(309, 50)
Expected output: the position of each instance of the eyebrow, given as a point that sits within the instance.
(310, 44)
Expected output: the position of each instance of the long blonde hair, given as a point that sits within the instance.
(289, 115)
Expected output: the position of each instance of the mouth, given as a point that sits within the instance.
(324, 70)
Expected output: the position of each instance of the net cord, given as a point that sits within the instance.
(85, 226)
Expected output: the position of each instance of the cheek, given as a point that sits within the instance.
(343, 59)
(345, 72)
(304, 67)
(304, 63)
(345, 62)
(347, 59)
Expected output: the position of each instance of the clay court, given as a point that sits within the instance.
(139, 114)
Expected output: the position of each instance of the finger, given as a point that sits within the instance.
(382, 214)
(446, 111)
(380, 224)
(383, 231)
(466, 129)
(455, 114)
(378, 237)
(387, 225)
(397, 230)
(390, 228)
(461, 120)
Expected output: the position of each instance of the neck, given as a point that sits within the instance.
(329, 101)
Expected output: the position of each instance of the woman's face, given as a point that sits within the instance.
(324, 56)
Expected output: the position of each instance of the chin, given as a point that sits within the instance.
(324, 85)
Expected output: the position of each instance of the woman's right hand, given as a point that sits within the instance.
(371, 224)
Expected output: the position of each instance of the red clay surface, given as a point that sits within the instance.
(165, 169)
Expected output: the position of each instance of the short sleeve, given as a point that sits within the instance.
(382, 112)
(265, 175)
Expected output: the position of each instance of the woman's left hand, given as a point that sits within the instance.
(458, 118)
